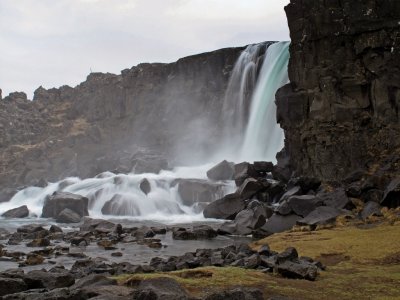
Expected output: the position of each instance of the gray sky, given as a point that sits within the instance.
(56, 42)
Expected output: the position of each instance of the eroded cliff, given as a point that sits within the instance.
(340, 112)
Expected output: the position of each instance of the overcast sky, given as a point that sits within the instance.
(57, 42)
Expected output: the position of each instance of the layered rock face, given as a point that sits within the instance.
(173, 108)
(340, 112)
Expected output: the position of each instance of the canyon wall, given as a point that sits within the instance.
(97, 126)
(340, 113)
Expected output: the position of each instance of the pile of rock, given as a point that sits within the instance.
(266, 203)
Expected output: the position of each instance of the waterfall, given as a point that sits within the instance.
(249, 110)
(263, 137)
(249, 116)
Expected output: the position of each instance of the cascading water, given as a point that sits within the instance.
(162, 203)
(250, 125)
(249, 109)
(263, 137)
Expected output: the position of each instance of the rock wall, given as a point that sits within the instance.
(340, 112)
(173, 108)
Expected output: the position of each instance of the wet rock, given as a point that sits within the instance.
(30, 228)
(247, 220)
(34, 259)
(144, 232)
(222, 171)
(192, 191)
(162, 288)
(44, 242)
(68, 216)
(249, 188)
(241, 293)
(11, 285)
(197, 232)
(49, 280)
(371, 208)
(321, 215)
(225, 208)
(56, 203)
(106, 244)
(145, 186)
(263, 167)
(55, 229)
(19, 212)
(97, 225)
(296, 190)
(243, 171)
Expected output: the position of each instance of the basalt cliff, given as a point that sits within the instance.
(98, 125)
(340, 111)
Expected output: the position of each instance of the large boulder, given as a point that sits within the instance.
(50, 280)
(303, 205)
(371, 208)
(249, 219)
(11, 286)
(336, 199)
(222, 171)
(193, 191)
(321, 215)
(145, 186)
(278, 223)
(243, 171)
(225, 208)
(161, 288)
(56, 203)
(297, 270)
(19, 212)
(250, 187)
(391, 196)
(68, 216)
(97, 225)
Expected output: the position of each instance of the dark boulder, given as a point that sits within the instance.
(296, 190)
(336, 199)
(145, 186)
(97, 225)
(30, 228)
(43, 242)
(11, 286)
(371, 208)
(193, 191)
(196, 233)
(49, 280)
(303, 205)
(278, 223)
(225, 208)
(249, 219)
(162, 288)
(56, 203)
(55, 229)
(68, 216)
(391, 196)
(19, 212)
(222, 171)
(243, 171)
(263, 167)
(321, 215)
(297, 270)
(240, 293)
(250, 187)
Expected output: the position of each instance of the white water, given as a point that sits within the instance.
(252, 134)
(249, 110)
(163, 203)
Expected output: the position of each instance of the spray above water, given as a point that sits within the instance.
(251, 131)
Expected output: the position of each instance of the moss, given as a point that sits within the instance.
(362, 264)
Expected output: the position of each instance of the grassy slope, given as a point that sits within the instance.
(362, 264)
